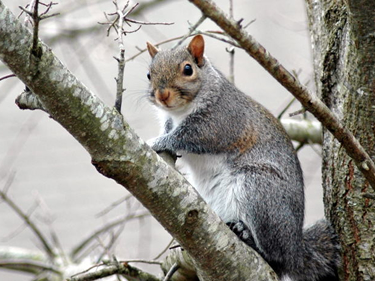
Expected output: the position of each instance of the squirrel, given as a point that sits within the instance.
(240, 160)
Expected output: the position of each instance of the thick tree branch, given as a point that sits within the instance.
(285, 78)
(118, 153)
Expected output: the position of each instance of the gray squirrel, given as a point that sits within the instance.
(240, 160)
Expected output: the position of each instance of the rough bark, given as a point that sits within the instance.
(343, 40)
(118, 153)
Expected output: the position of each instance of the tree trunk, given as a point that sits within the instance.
(343, 40)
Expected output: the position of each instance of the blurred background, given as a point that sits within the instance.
(49, 175)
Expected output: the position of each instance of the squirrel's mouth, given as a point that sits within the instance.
(169, 98)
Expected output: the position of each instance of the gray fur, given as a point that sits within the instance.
(256, 160)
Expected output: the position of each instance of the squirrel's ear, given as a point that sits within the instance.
(196, 49)
(152, 50)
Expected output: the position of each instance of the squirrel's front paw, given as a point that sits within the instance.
(157, 145)
(151, 142)
(242, 231)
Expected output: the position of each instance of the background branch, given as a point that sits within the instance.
(130, 272)
(46, 245)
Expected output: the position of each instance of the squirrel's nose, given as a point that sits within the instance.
(163, 95)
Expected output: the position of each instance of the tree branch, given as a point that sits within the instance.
(25, 260)
(285, 78)
(303, 130)
(47, 247)
(132, 273)
(83, 244)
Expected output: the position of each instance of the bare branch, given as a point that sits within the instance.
(28, 266)
(114, 204)
(121, 14)
(148, 23)
(121, 17)
(76, 250)
(130, 272)
(7, 76)
(9, 182)
(26, 218)
(231, 49)
(286, 108)
(212, 34)
(143, 261)
(165, 249)
(171, 271)
(16, 257)
(22, 226)
(141, 51)
(191, 30)
(305, 131)
(121, 59)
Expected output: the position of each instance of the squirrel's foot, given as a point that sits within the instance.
(156, 145)
(242, 231)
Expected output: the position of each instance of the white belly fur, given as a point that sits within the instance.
(210, 177)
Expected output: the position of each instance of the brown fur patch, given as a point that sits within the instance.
(246, 141)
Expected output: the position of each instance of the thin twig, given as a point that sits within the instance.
(27, 12)
(286, 108)
(231, 49)
(192, 29)
(104, 229)
(171, 271)
(231, 52)
(7, 76)
(48, 220)
(36, 50)
(141, 51)
(298, 112)
(36, 20)
(121, 17)
(19, 229)
(26, 218)
(125, 19)
(165, 249)
(29, 266)
(112, 269)
(207, 33)
(9, 181)
(143, 261)
(113, 205)
(121, 59)
(212, 34)
(148, 23)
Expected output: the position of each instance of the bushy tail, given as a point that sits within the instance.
(321, 253)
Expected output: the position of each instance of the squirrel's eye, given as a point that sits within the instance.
(148, 75)
(188, 70)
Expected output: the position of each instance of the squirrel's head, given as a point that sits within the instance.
(176, 75)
